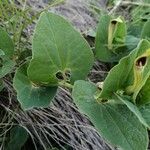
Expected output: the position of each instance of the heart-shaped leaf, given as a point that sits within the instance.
(115, 122)
(130, 74)
(29, 94)
(59, 52)
(6, 43)
(110, 39)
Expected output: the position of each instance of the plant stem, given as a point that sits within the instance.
(65, 84)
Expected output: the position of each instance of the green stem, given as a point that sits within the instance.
(65, 84)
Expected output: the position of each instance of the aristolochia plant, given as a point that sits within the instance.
(60, 55)
(120, 110)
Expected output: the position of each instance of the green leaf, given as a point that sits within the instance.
(6, 64)
(58, 50)
(101, 41)
(145, 111)
(130, 74)
(134, 30)
(6, 43)
(146, 31)
(134, 109)
(139, 15)
(115, 122)
(110, 39)
(131, 42)
(29, 94)
(6, 53)
(18, 137)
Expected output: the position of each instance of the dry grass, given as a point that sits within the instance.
(60, 123)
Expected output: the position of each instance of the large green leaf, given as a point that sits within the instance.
(18, 137)
(6, 43)
(115, 122)
(29, 94)
(130, 74)
(110, 39)
(58, 50)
